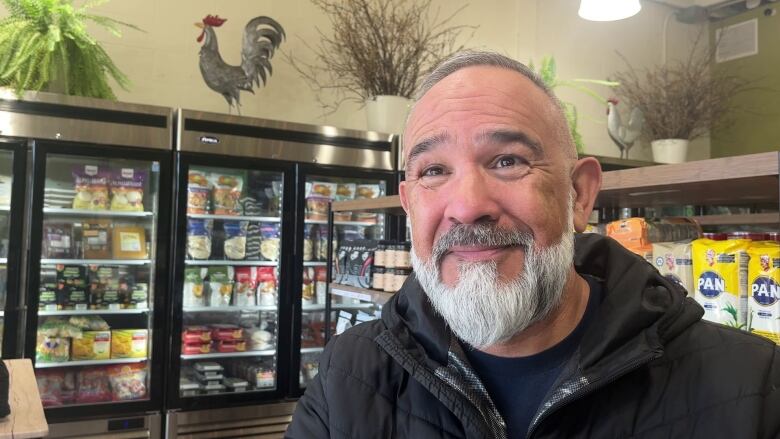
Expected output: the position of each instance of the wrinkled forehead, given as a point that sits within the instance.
(493, 94)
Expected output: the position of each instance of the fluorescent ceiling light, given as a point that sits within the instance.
(608, 10)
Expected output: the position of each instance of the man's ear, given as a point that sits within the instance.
(403, 187)
(586, 180)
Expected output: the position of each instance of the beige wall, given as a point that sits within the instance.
(163, 62)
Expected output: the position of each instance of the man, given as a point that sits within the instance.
(509, 327)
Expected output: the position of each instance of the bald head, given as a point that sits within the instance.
(466, 59)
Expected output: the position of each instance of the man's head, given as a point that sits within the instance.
(494, 192)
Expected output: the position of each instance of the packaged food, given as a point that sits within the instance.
(213, 389)
(50, 384)
(58, 241)
(246, 286)
(93, 385)
(196, 334)
(266, 284)
(47, 297)
(367, 191)
(231, 346)
(197, 193)
(322, 189)
(226, 193)
(235, 239)
(632, 234)
(52, 349)
(127, 189)
(208, 368)
(345, 191)
(260, 375)
(128, 381)
(307, 289)
(194, 286)
(89, 323)
(236, 384)
(199, 238)
(317, 208)
(129, 242)
(269, 248)
(93, 345)
(206, 379)
(58, 327)
(673, 261)
(139, 296)
(226, 332)
(220, 285)
(125, 289)
(196, 348)
(254, 240)
(764, 300)
(258, 339)
(129, 343)
(102, 278)
(720, 273)
(308, 243)
(91, 184)
(187, 387)
(320, 284)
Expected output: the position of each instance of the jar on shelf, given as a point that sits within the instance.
(400, 276)
(403, 257)
(389, 286)
(378, 278)
(380, 254)
(390, 255)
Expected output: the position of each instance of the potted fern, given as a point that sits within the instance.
(44, 45)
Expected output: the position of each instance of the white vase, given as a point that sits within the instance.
(670, 150)
(387, 114)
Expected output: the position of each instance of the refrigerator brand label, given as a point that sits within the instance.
(209, 140)
(90, 170)
(127, 173)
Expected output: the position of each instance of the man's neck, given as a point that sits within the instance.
(552, 330)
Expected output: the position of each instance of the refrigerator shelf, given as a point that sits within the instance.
(268, 353)
(378, 297)
(95, 213)
(230, 308)
(90, 363)
(311, 350)
(314, 264)
(336, 307)
(96, 261)
(342, 223)
(263, 219)
(85, 312)
(236, 263)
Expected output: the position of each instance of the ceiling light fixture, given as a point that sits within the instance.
(608, 10)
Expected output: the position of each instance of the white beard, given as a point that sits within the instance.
(483, 310)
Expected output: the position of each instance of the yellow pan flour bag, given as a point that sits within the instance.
(720, 274)
(764, 300)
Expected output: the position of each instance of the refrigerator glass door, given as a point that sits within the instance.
(349, 226)
(97, 277)
(230, 295)
(6, 184)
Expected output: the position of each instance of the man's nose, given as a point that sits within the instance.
(470, 199)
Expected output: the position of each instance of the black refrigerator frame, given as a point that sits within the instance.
(13, 318)
(184, 161)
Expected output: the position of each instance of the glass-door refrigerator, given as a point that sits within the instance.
(98, 255)
(322, 185)
(13, 159)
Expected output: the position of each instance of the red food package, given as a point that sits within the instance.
(196, 348)
(196, 334)
(231, 346)
(245, 286)
(128, 381)
(50, 386)
(266, 279)
(227, 332)
(93, 386)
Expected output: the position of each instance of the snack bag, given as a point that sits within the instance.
(220, 286)
(91, 184)
(58, 241)
(764, 300)
(93, 385)
(235, 239)
(631, 233)
(93, 345)
(95, 239)
(197, 193)
(227, 193)
(51, 349)
(673, 261)
(128, 381)
(199, 238)
(129, 343)
(193, 286)
(89, 323)
(266, 286)
(720, 273)
(127, 190)
(269, 248)
(50, 384)
(245, 287)
(254, 239)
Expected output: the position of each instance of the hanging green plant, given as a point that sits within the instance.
(45, 44)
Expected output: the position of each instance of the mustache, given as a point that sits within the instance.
(484, 234)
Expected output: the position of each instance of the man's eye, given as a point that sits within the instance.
(432, 171)
(507, 161)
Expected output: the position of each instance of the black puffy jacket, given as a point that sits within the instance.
(647, 367)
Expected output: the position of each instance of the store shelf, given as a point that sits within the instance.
(739, 219)
(58, 211)
(311, 350)
(343, 223)
(740, 180)
(96, 261)
(391, 204)
(378, 297)
(88, 312)
(264, 219)
(228, 309)
(234, 263)
(615, 163)
(315, 264)
(267, 353)
(39, 365)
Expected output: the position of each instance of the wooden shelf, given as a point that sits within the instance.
(391, 204)
(738, 219)
(378, 297)
(748, 179)
(615, 163)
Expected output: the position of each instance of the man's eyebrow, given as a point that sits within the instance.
(510, 136)
(426, 145)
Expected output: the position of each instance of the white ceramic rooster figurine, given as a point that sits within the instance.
(623, 136)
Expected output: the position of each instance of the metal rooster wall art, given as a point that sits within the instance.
(624, 136)
(262, 36)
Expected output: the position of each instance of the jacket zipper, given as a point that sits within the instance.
(628, 368)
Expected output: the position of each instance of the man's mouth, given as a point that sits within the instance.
(476, 253)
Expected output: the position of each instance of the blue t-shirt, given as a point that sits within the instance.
(518, 385)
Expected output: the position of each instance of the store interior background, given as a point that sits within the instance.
(162, 62)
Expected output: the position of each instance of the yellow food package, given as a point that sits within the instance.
(720, 273)
(129, 343)
(764, 301)
(93, 345)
